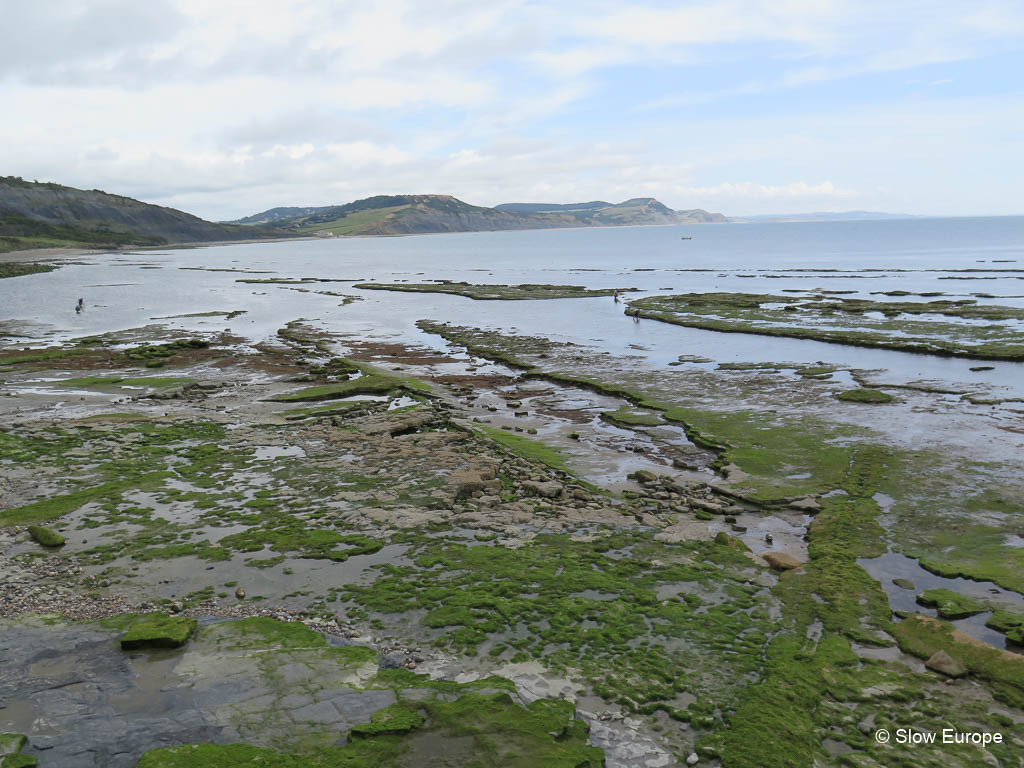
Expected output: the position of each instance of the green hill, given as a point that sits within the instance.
(414, 214)
(44, 215)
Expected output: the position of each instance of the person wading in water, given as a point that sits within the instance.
(80, 306)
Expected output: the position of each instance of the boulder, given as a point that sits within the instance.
(393, 660)
(465, 483)
(158, 630)
(942, 662)
(11, 743)
(780, 561)
(904, 584)
(807, 504)
(642, 476)
(951, 605)
(547, 490)
(45, 536)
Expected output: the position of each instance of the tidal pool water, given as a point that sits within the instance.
(860, 259)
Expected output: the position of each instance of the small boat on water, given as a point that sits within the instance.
(687, 237)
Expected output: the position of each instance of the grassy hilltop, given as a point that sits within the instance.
(416, 214)
(46, 215)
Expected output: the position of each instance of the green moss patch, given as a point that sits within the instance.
(369, 755)
(629, 417)
(145, 353)
(364, 385)
(260, 632)
(590, 606)
(532, 450)
(57, 506)
(371, 381)
(1010, 624)
(498, 292)
(46, 536)
(17, 268)
(864, 396)
(393, 720)
(951, 605)
(19, 761)
(904, 325)
(158, 630)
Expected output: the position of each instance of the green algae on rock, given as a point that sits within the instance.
(1010, 624)
(369, 381)
(498, 292)
(158, 630)
(864, 396)
(19, 268)
(393, 720)
(951, 605)
(47, 537)
(472, 729)
(19, 761)
(905, 326)
(10, 743)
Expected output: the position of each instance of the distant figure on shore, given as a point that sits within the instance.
(80, 306)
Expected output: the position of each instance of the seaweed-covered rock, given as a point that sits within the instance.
(19, 761)
(11, 745)
(158, 630)
(865, 396)
(950, 604)
(1010, 624)
(392, 720)
(942, 662)
(46, 536)
(732, 542)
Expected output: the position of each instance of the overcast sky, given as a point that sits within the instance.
(228, 107)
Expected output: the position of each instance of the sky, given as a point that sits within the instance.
(744, 107)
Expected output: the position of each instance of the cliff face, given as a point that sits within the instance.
(34, 211)
(413, 214)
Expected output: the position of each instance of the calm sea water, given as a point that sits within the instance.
(959, 256)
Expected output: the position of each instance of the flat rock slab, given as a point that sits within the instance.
(158, 630)
(780, 561)
(83, 703)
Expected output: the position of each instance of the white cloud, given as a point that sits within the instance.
(239, 105)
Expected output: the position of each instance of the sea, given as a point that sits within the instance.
(979, 258)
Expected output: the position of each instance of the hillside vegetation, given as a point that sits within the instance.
(43, 215)
(414, 214)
